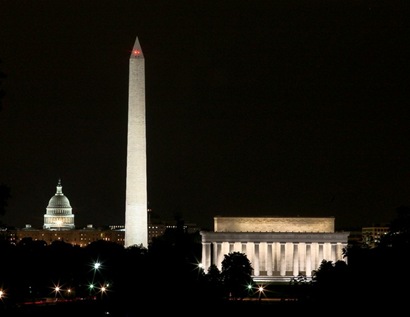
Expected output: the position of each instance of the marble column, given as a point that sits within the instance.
(308, 259)
(243, 245)
(206, 255)
(333, 252)
(295, 259)
(218, 254)
(320, 255)
(282, 259)
(269, 259)
(256, 260)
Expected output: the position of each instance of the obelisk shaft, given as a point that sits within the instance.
(136, 203)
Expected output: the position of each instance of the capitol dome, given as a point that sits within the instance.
(59, 214)
(59, 200)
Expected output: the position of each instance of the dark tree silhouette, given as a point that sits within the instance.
(214, 285)
(331, 281)
(300, 287)
(236, 275)
(213, 274)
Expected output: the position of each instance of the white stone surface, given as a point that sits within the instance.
(136, 204)
(274, 224)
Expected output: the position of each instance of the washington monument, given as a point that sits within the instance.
(136, 204)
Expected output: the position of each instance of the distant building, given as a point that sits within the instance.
(8, 234)
(371, 235)
(157, 229)
(79, 237)
(59, 214)
(278, 248)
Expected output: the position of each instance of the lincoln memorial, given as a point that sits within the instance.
(278, 248)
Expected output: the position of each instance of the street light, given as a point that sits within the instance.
(69, 293)
(91, 286)
(260, 290)
(57, 290)
(103, 289)
(199, 266)
(95, 267)
(249, 288)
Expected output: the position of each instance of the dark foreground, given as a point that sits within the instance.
(189, 308)
(181, 307)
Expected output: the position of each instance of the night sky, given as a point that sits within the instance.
(253, 108)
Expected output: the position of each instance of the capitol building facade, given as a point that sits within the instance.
(59, 214)
(59, 225)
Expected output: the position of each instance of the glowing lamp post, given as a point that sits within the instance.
(260, 290)
(91, 290)
(96, 267)
(103, 289)
(57, 291)
(249, 288)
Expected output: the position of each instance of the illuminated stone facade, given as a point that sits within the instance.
(136, 202)
(278, 248)
(273, 224)
(59, 214)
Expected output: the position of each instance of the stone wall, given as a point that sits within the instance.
(274, 224)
